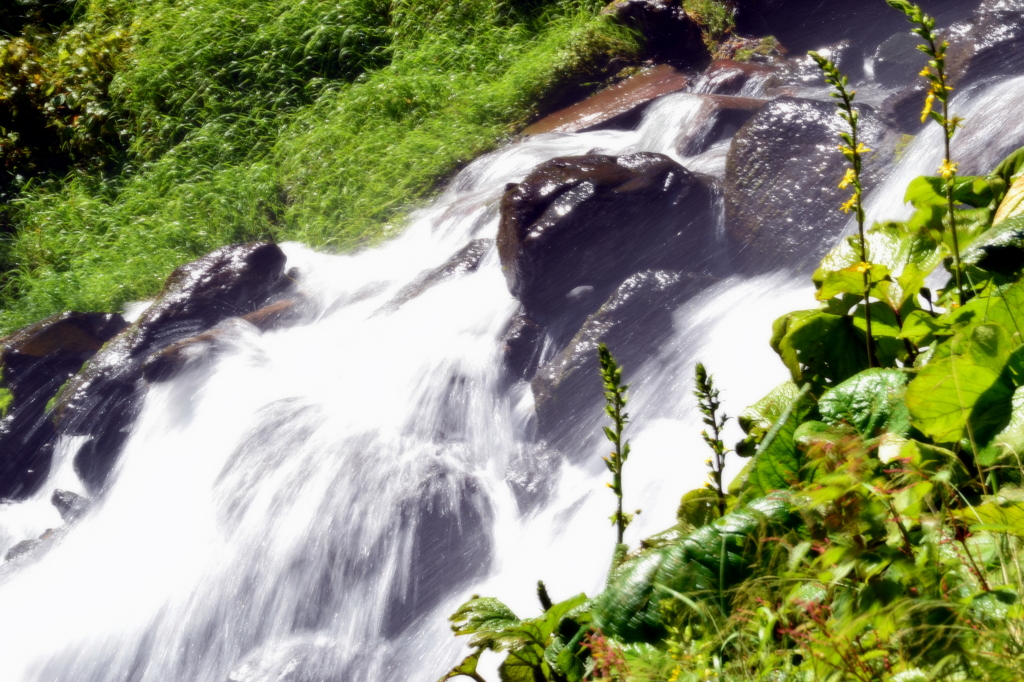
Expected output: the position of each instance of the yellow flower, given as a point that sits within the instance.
(925, 72)
(675, 674)
(861, 267)
(948, 169)
(848, 206)
(927, 106)
(862, 148)
(847, 179)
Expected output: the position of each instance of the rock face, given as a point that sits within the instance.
(520, 348)
(803, 71)
(992, 45)
(720, 117)
(729, 77)
(802, 25)
(619, 106)
(670, 34)
(464, 261)
(35, 362)
(102, 401)
(591, 221)
(634, 322)
(781, 196)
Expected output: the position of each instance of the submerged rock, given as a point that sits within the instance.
(781, 196)
(102, 401)
(620, 106)
(69, 505)
(633, 322)
(34, 362)
(592, 221)
(463, 262)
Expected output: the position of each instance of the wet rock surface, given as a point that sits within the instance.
(34, 362)
(464, 261)
(730, 77)
(620, 106)
(781, 196)
(520, 348)
(670, 34)
(71, 506)
(803, 71)
(592, 221)
(802, 25)
(719, 119)
(634, 322)
(102, 401)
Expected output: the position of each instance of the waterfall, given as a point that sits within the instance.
(312, 503)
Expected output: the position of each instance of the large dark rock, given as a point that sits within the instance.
(581, 225)
(69, 505)
(781, 195)
(670, 34)
(802, 25)
(520, 348)
(992, 45)
(103, 400)
(633, 322)
(801, 70)
(34, 362)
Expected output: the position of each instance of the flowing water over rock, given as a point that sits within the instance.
(309, 503)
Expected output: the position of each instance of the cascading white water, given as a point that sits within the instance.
(311, 504)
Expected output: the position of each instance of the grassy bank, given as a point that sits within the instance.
(314, 121)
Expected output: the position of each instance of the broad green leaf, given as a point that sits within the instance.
(971, 190)
(922, 328)
(492, 624)
(871, 402)
(998, 515)
(963, 391)
(1011, 438)
(1004, 306)
(850, 280)
(1010, 168)
(698, 508)
(758, 419)
(819, 347)
(517, 668)
(1012, 204)
(630, 608)
(777, 462)
(1001, 248)
(467, 667)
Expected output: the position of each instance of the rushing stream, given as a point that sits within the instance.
(312, 504)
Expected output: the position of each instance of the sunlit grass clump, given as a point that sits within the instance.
(291, 120)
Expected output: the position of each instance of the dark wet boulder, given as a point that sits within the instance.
(462, 262)
(897, 61)
(801, 70)
(22, 548)
(781, 195)
(670, 34)
(103, 400)
(34, 363)
(718, 119)
(280, 314)
(69, 505)
(634, 322)
(592, 221)
(802, 25)
(991, 44)
(730, 77)
(619, 107)
(520, 348)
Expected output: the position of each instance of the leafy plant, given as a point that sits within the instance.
(615, 401)
(938, 89)
(852, 148)
(707, 403)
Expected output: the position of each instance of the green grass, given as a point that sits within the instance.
(304, 120)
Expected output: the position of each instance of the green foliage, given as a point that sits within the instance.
(714, 17)
(871, 402)
(547, 648)
(708, 404)
(615, 401)
(316, 121)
